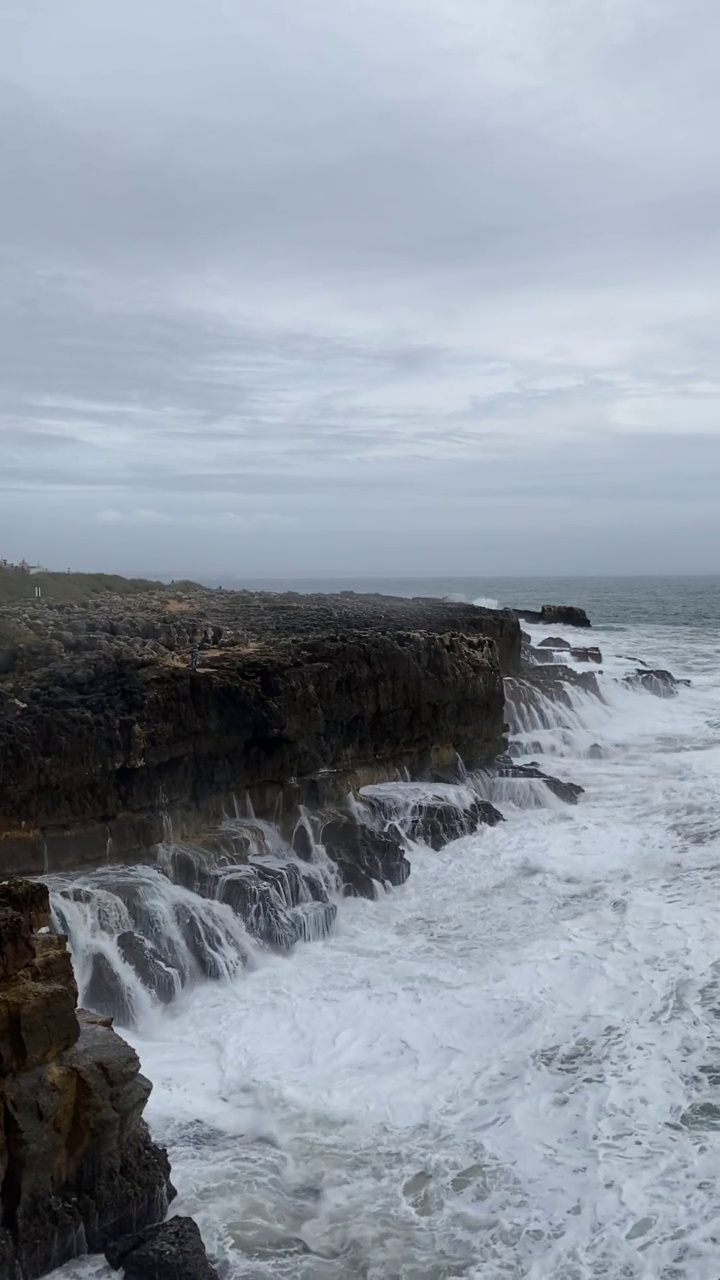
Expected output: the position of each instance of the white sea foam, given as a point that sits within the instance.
(508, 1069)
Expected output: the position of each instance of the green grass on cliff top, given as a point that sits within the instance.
(68, 587)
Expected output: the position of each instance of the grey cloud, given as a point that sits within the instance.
(400, 275)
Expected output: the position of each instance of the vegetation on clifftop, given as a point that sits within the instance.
(68, 587)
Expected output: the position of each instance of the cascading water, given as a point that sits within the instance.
(137, 939)
(507, 1069)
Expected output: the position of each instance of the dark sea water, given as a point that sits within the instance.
(509, 1068)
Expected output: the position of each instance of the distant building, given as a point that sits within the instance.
(22, 567)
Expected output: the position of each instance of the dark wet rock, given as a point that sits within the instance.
(106, 992)
(435, 822)
(592, 654)
(151, 967)
(595, 751)
(568, 615)
(549, 653)
(569, 792)
(171, 1251)
(202, 942)
(77, 1162)
(554, 680)
(364, 857)
(554, 642)
(660, 683)
(302, 842)
(541, 657)
(279, 903)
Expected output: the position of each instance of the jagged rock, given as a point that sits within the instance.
(552, 679)
(568, 615)
(570, 792)
(106, 993)
(364, 857)
(660, 683)
(172, 1251)
(554, 642)
(436, 822)
(269, 898)
(591, 654)
(77, 1163)
(151, 967)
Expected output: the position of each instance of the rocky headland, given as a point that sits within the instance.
(193, 773)
(105, 731)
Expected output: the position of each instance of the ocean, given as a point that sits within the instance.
(508, 1068)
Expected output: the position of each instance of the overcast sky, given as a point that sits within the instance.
(413, 286)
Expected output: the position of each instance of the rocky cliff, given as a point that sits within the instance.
(77, 1166)
(105, 730)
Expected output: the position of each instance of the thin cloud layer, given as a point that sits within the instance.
(332, 287)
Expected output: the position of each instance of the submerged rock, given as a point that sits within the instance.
(364, 857)
(150, 966)
(569, 792)
(435, 821)
(172, 1251)
(660, 683)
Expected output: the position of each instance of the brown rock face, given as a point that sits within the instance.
(77, 1165)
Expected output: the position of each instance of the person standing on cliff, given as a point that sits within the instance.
(194, 658)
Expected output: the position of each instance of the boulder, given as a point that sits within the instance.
(660, 683)
(554, 642)
(171, 1251)
(364, 857)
